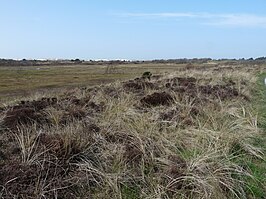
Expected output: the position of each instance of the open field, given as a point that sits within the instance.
(20, 80)
(24, 80)
(190, 132)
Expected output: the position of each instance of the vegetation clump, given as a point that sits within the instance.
(157, 99)
(139, 85)
(146, 75)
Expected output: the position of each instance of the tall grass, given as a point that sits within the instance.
(196, 150)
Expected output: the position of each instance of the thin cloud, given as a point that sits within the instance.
(158, 15)
(240, 20)
(233, 20)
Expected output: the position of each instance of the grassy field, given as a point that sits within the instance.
(196, 132)
(20, 81)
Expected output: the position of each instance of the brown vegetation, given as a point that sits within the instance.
(171, 137)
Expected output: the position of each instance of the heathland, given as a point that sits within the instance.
(193, 130)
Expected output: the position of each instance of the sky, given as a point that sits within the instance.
(132, 29)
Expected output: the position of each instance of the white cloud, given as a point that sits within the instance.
(240, 20)
(232, 20)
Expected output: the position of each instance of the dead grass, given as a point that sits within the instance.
(177, 136)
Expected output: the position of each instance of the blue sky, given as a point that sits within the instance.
(132, 29)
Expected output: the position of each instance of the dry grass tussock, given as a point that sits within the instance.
(176, 136)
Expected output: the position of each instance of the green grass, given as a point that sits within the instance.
(256, 185)
(130, 192)
(261, 100)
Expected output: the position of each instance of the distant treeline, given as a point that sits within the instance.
(25, 62)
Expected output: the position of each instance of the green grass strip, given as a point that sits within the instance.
(257, 185)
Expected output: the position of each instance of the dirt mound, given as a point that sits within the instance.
(219, 91)
(56, 145)
(23, 116)
(73, 113)
(180, 81)
(23, 181)
(138, 84)
(52, 142)
(20, 178)
(37, 105)
(80, 110)
(189, 87)
(157, 99)
(112, 92)
(29, 112)
(179, 116)
(80, 102)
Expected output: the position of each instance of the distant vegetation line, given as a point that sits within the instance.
(25, 62)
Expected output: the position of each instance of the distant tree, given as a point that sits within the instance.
(261, 58)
